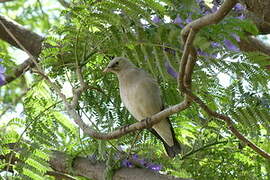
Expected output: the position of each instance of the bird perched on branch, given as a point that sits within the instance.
(140, 94)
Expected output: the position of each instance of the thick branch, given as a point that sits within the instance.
(84, 167)
(184, 60)
(251, 44)
(146, 123)
(19, 70)
(210, 18)
(3, 1)
(188, 37)
(30, 40)
(259, 12)
(70, 107)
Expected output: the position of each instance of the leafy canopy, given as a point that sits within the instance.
(90, 33)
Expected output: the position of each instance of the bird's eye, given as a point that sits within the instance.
(117, 63)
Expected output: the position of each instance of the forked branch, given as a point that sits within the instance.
(187, 64)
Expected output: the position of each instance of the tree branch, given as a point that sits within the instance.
(19, 70)
(31, 41)
(71, 109)
(230, 125)
(259, 12)
(204, 147)
(209, 19)
(188, 35)
(3, 1)
(184, 60)
(252, 44)
(146, 123)
(84, 167)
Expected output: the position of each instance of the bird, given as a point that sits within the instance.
(140, 94)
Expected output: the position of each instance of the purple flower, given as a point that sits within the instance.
(217, 2)
(214, 8)
(215, 44)
(126, 163)
(154, 167)
(230, 45)
(93, 158)
(2, 69)
(199, 1)
(2, 74)
(156, 19)
(135, 157)
(205, 11)
(170, 70)
(142, 162)
(236, 37)
(239, 7)
(178, 21)
(189, 20)
(203, 53)
(241, 17)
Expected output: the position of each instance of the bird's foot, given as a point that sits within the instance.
(146, 121)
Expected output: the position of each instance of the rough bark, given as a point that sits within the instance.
(19, 70)
(251, 44)
(65, 166)
(85, 167)
(30, 40)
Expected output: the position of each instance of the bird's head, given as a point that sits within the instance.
(118, 64)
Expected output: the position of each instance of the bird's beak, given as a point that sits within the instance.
(106, 70)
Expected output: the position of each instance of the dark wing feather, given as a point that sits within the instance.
(172, 151)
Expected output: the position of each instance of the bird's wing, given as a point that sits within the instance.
(140, 94)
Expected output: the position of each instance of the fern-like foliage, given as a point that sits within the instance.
(92, 33)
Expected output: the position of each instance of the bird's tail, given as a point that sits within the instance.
(174, 150)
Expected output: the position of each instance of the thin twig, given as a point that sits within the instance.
(134, 141)
(70, 107)
(230, 125)
(187, 65)
(204, 147)
(184, 59)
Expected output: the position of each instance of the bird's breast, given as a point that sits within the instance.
(131, 100)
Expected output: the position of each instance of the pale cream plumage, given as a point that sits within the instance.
(140, 94)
